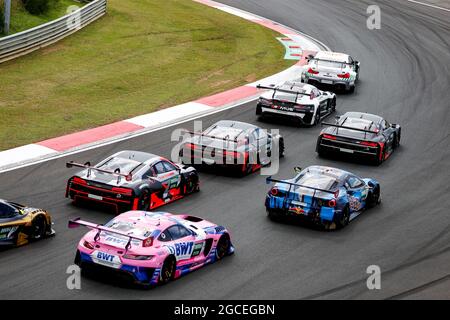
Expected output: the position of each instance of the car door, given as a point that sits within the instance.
(9, 223)
(169, 176)
(323, 102)
(264, 145)
(388, 133)
(357, 192)
(186, 246)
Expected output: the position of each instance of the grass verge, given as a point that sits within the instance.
(142, 56)
(22, 20)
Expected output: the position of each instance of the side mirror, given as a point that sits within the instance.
(69, 164)
(393, 125)
(297, 169)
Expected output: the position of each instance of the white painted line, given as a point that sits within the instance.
(291, 73)
(239, 13)
(169, 114)
(23, 153)
(429, 5)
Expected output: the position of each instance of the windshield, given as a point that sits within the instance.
(7, 211)
(357, 123)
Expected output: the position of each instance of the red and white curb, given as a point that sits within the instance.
(93, 138)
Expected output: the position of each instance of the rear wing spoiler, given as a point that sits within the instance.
(275, 90)
(349, 128)
(87, 165)
(291, 184)
(333, 61)
(235, 140)
(75, 223)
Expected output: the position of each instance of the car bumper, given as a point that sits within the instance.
(328, 81)
(134, 274)
(303, 117)
(348, 148)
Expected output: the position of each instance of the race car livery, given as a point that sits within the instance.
(335, 69)
(326, 196)
(235, 145)
(132, 180)
(20, 224)
(295, 100)
(363, 135)
(151, 248)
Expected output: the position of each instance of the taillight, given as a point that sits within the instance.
(328, 136)
(274, 191)
(125, 191)
(332, 203)
(344, 75)
(147, 242)
(88, 245)
(369, 144)
(78, 180)
(310, 70)
(191, 146)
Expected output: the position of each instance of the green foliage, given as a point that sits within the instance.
(36, 6)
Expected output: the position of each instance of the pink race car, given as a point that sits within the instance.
(151, 248)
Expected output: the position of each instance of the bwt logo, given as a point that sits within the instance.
(105, 257)
(74, 21)
(258, 147)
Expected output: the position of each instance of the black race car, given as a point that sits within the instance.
(20, 224)
(132, 180)
(235, 145)
(361, 134)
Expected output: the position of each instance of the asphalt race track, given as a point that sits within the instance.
(405, 78)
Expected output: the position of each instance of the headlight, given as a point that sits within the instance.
(137, 257)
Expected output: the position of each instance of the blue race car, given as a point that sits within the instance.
(326, 196)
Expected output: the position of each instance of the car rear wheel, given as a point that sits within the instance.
(223, 247)
(168, 270)
(38, 228)
(344, 219)
(144, 200)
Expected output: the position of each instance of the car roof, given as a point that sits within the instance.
(335, 173)
(138, 156)
(235, 124)
(362, 115)
(297, 85)
(332, 56)
(157, 220)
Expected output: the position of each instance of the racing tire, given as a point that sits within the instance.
(321, 152)
(316, 118)
(344, 220)
(168, 270)
(397, 140)
(281, 148)
(144, 200)
(333, 105)
(273, 215)
(38, 228)
(223, 246)
(352, 89)
(374, 197)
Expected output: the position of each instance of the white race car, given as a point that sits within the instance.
(331, 68)
(296, 100)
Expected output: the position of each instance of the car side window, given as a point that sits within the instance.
(150, 173)
(159, 168)
(178, 232)
(353, 182)
(7, 211)
(316, 93)
(168, 166)
(165, 236)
